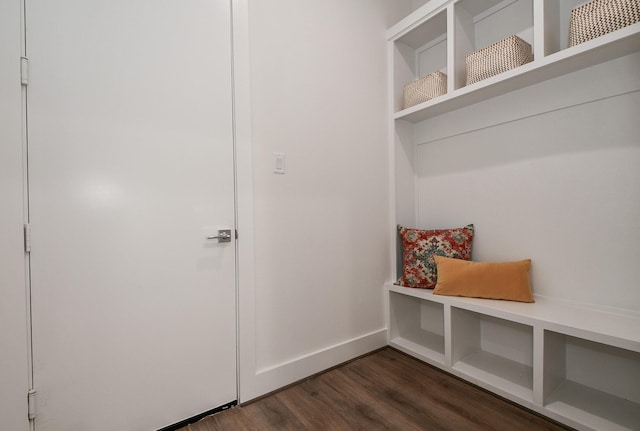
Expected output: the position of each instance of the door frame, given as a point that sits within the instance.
(245, 276)
(244, 205)
(247, 378)
(15, 377)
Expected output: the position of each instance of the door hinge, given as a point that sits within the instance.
(31, 404)
(27, 238)
(24, 71)
(236, 233)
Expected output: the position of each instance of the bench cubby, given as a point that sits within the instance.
(592, 382)
(418, 327)
(496, 351)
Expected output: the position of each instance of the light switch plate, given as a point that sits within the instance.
(278, 163)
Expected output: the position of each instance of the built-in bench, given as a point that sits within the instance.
(575, 363)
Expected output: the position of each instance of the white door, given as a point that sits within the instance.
(130, 169)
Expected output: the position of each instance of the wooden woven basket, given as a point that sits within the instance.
(425, 88)
(599, 17)
(499, 57)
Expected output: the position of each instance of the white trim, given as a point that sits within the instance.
(391, 147)
(275, 377)
(25, 207)
(14, 318)
(245, 277)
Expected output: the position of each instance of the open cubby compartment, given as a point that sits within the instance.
(556, 17)
(594, 384)
(419, 52)
(495, 351)
(480, 23)
(417, 326)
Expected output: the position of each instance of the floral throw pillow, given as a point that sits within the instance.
(419, 247)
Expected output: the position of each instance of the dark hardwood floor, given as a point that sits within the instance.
(386, 390)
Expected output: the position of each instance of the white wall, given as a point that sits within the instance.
(318, 94)
(550, 172)
(14, 382)
(419, 3)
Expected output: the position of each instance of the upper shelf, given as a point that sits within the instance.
(439, 36)
(613, 45)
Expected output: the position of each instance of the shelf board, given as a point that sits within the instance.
(608, 47)
(427, 339)
(499, 372)
(593, 408)
(423, 344)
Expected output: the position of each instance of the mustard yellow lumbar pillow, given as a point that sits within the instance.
(494, 280)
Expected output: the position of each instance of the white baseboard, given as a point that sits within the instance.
(272, 378)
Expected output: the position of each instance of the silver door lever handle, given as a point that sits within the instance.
(224, 235)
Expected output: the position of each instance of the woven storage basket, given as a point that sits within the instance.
(599, 17)
(497, 58)
(425, 88)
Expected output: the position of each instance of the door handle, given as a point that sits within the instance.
(224, 235)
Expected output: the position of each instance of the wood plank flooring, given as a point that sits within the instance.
(386, 390)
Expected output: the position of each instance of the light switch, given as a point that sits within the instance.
(278, 163)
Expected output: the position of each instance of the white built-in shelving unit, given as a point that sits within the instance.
(575, 363)
(441, 34)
